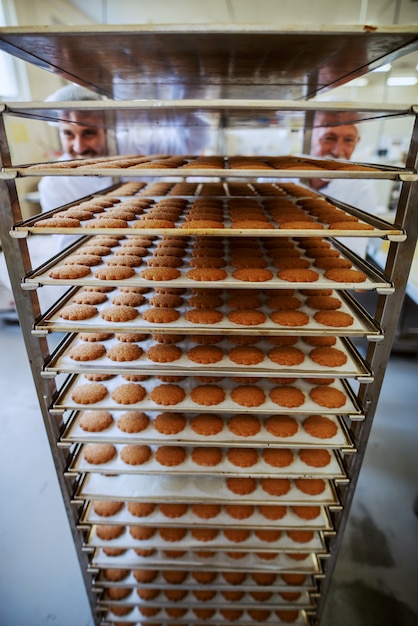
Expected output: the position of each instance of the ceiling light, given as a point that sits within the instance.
(383, 68)
(401, 81)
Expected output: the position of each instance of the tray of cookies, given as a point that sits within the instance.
(196, 579)
(209, 461)
(255, 356)
(203, 429)
(90, 310)
(163, 596)
(207, 489)
(230, 539)
(290, 568)
(208, 262)
(222, 395)
(206, 515)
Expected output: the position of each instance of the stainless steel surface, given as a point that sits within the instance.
(209, 61)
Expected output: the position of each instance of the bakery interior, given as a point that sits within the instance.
(374, 580)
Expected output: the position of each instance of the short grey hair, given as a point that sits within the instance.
(73, 92)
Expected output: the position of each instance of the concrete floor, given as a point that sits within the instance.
(375, 582)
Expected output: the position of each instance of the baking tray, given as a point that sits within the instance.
(219, 561)
(217, 602)
(380, 228)
(217, 620)
(61, 362)
(261, 469)
(374, 281)
(64, 400)
(220, 543)
(205, 489)
(219, 583)
(189, 519)
(73, 433)
(363, 324)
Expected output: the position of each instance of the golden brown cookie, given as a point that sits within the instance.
(70, 272)
(203, 316)
(95, 336)
(345, 275)
(124, 352)
(114, 272)
(247, 317)
(236, 535)
(144, 575)
(204, 534)
(141, 509)
(328, 396)
(78, 312)
(207, 424)
(334, 318)
(160, 273)
(246, 355)
(89, 393)
(173, 510)
(315, 458)
(253, 275)
(244, 425)
(108, 532)
(129, 393)
(164, 353)
(328, 357)
(320, 341)
(128, 299)
(135, 454)
(205, 354)
(289, 318)
(300, 536)
(132, 422)
(239, 511)
(320, 426)
(241, 486)
(141, 532)
(281, 425)
(248, 395)
(310, 486)
(169, 423)
(95, 421)
(275, 486)
(98, 453)
(278, 457)
(172, 534)
(107, 508)
(87, 352)
(170, 455)
(207, 395)
(89, 297)
(206, 511)
(207, 274)
(167, 395)
(306, 512)
(242, 457)
(286, 355)
(287, 396)
(119, 313)
(298, 275)
(207, 456)
(160, 315)
(272, 512)
(327, 303)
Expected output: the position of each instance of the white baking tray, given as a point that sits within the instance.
(189, 519)
(64, 400)
(75, 434)
(297, 469)
(205, 489)
(61, 361)
(363, 324)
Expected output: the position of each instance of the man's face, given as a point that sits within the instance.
(83, 135)
(337, 142)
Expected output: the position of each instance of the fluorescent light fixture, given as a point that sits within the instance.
(383, 68)
(401, 81)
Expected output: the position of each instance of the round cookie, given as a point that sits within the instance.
(207, 456)
(204, 534)
(275, 486)
(206, 511)
(320, 426)
(169, 423)
(78, 312)
(334, 318)
(253, 275)
(272, 512)
(286, 355)
(289, 318)
(203, 316)
(170, 456)
(281, 425)
(277, 457)
(248, 395)
(247, 317)
(144, 575)
(345, 275)
(300, 536)
(244, 425)
(315, 458)
(306, 512)
(119, 313)
(141, 509)
(98, 453)
(164, 353)
(121, 352)
(298, 275)
(242, 457)
(207, 424)
(328, 397)
(172, 534)
(106, 508)
(70, 272)
(241, 486)
(89, 393)
(108, 532)
(246, 355)
(87, 351)
(129, 393)
(236, 535)
(132, 422)
(167, 395)
(141, 533)
(114, 272)
(207, 395)
(239, 511)
(328, 357)
(95, 421)
(135, 454)
(287, 396)
(89, 297)
(173, 510)
(160, 315)
(310, 486)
